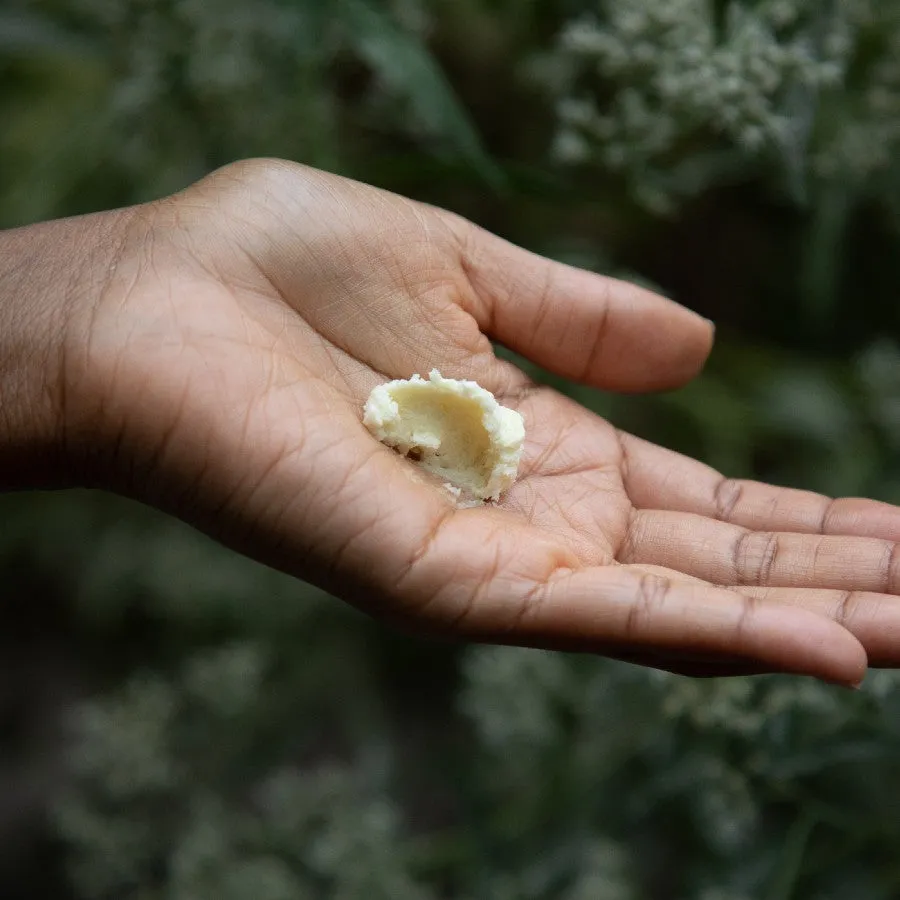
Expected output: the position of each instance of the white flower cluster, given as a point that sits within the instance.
(207, 81)
(605, 872)
(743, 707)
(154, 795)
(724, 752)
(515, 698)
(867, 138)
(648, 85)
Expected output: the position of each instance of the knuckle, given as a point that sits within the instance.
(829, 512)
(599, 335)
(845, 607)
(652, 595)
(755, 557)
(727, 495)
(892, 570)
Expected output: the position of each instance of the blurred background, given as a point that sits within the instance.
(178, 723)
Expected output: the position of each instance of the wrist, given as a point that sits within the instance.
(49, 274)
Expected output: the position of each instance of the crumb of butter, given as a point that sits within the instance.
(454, 429)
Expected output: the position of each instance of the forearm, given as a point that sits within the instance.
(49, 274)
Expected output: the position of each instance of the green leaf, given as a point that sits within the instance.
(407, 67)
(790, 868)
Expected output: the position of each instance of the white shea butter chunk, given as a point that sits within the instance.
(454, 429)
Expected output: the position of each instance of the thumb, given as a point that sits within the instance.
(596, 330)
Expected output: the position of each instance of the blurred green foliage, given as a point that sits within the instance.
(247, 736)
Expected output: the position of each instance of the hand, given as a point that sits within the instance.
(221, 371)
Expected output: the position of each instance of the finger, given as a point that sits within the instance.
(616, 608)
(580, 325)
(874, 619)
(657, 478)
(610, 609)
(727, 554)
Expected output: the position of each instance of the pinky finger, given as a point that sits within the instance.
(874, 619)
(616, 610)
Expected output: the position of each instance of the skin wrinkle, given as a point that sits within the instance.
(337, 555)
(525, 391)
(424, 545)
(727, 495)
(755, 554)
(475, 348)
(439, 597)
(277, 514)
(844, 610)
(543, 306)
(539, 596)
(45, 273)
(535, 513)
(345, 355)
(269, 382)
(472, 600)
(92, 328)
(748, 608)
(598, 343)
(652, 593)
(774, 506)
(559, 438)
(336, 357)
(624, 459)
(279, 336)
(157, 456)
(536, 463)
(64, 362)
(413, 344)
(190, 495)
(532, 602)
(216, 269)
(568, 470)
(99, 412)
(245, 431)
(828, 511)
(470, 249)
(769, 557)
(631, 538)
(595, 555)
(892, 579)
(371, 313)
(280, 457)
(253, 528)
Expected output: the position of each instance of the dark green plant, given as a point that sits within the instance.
(248, 735)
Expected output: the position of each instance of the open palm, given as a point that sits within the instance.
(225, 366)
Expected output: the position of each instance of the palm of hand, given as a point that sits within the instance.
(231, 357)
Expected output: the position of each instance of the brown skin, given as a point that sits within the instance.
(210, 354)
